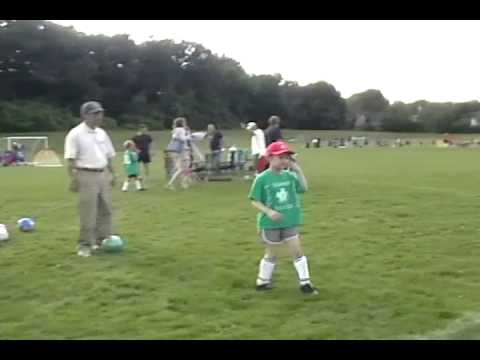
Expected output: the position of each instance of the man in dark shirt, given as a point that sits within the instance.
(143, 142)
(273, 132)
(216, 145)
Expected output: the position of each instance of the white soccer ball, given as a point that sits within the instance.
(3, 233)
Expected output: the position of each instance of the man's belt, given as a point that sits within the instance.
(90, 169)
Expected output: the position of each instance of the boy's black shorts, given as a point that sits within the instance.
(144, 157)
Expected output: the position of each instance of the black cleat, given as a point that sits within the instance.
(308, 289)
(263, 287)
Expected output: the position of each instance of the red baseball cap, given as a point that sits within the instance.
(279, 148)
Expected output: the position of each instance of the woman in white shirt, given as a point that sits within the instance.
(180, 147)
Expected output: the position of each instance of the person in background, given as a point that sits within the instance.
(258, 148)
(19, 153)
(216, 144)
(179, 146)
(143, 142)
(273, 133)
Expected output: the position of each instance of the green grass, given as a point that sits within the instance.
(392, 238)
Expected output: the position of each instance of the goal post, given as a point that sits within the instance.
(31, 150)
(359, 140)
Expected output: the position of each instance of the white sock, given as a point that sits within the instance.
(138, 184)
(125, 185)
(301, 265)
(265, 272)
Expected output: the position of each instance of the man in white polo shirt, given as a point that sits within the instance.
(257, 145)
(90, 153)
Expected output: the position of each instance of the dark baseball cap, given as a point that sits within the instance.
(91, 107)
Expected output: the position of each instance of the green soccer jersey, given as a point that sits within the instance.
(280, 192)
(130, 162)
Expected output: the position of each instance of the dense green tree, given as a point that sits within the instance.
(316, 106)
(370, 105)
(48, 70)
(401, 117)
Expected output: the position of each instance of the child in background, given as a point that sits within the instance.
(132, 166)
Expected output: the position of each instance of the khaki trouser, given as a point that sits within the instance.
(95, 206)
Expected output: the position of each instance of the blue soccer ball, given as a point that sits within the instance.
(26, 224)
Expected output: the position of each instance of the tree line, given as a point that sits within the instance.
(48, 70)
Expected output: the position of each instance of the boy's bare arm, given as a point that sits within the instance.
(301, 176)
(272, 214)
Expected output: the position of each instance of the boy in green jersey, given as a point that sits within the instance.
(275, 193)
(132, 166)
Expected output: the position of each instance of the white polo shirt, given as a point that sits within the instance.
(258, 142)
(91, 148)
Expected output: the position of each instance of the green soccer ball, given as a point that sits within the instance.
(113, 244)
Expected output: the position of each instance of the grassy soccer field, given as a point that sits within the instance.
(392, 236)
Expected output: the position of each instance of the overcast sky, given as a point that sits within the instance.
(407, 60)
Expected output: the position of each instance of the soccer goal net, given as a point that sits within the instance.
(359, 140)
(30, 150)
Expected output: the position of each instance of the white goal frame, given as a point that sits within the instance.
(12, 139)
(53, 161)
